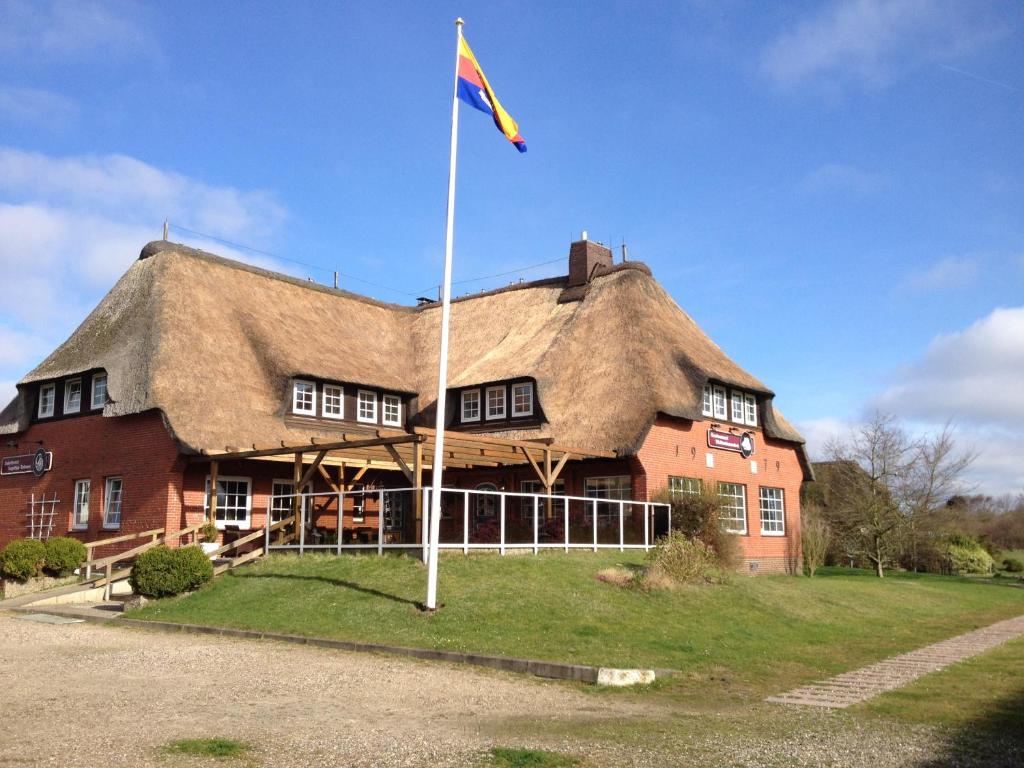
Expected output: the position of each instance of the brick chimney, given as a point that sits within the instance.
(584, 257)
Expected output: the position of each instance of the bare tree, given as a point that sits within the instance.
(815, 537)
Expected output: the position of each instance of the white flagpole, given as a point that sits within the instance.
(442, 365)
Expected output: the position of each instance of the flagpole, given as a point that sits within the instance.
(442, 364)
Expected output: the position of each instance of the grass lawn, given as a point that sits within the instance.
(758, 635)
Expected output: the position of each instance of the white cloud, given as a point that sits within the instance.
(62, 30)
(31, 105)
(871, 41)
(951, 272)
(844, 179)
(820, 432)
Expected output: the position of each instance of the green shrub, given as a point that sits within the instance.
(22, 559)
(679, 559)
(63, 555)
(698, 516)
(162, 572)
(968, 556)
(1013, 565)
(209, 532)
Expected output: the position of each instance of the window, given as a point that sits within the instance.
(522, 399)
(718, 401)
(678, 486)
(773, 513)
(367, 410)
(613, 488)
(535, 486)
(47, 396)
(392, 410)
(304, 398)
(80, 513)
(112, 503)
(484, 504)
(72, 396)
(233, 501)
(281, 499)
(750, 402)
(734, 507)
(333, 406)
(495, 402)
(737, 406)
(708, 408)
(471, 405)
(99, 390)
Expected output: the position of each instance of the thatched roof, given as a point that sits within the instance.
(212, 344)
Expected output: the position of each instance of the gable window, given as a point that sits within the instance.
(471, 405)
(99, 391)
(367, 410)
(734, 507)
(750, 405)
(773, 513)
(47, 397)
(495, 402)
(718, 402)
(707, 408)
(234, 501)
(304, 398)
(391, 406)
(112, 503)
(72, 396)
(679, 486)
(522, 399)
(80, 510)
(737, 407)
(333, 406)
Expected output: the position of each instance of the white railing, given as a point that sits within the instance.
(470, 520)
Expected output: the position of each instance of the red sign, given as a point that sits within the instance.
(38, 463)
(730, 441)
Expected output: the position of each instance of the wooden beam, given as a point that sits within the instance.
(336, 446)
(401, 463)
(417, 502)
(327, 477)
(214, 470)
(308, 475)
(558, 467)
(358, 475)
(296, 500)
(533, 464)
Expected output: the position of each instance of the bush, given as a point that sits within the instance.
(1013, 565)
(965, 555)
(162, 572)
(22, 559)
(698, 516)
(63, 555)
(679, 559)
(209, 533)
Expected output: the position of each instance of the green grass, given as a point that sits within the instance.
(503, 757)
(218, 748)
(752, 635)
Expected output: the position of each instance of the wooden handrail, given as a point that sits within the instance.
(118, 539)
(142, 548)
(259, 533)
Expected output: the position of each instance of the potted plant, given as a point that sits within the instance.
(208, 538)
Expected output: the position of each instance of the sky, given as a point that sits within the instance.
(833, 190)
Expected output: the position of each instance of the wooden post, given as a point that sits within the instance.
(547, 483)
(214, 471)
(417, 497)
(296, 498)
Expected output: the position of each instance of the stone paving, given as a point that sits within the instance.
(865, 683)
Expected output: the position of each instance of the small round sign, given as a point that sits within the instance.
(746, 445)
(39, 463)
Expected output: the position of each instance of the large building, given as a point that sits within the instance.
(197, 370)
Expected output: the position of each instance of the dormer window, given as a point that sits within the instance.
(708, 408)
(334, 402)
(99, 391)
(737, 407)
(718, 402)
(734, 405)
(72, 396)
(471, 405)
(47, 398)
(522, 399)
(367, 410)
(496, 402)
(304, 398)
(750, 406)
(391, 410)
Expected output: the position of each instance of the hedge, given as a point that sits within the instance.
(22, 559)
(162, 571)
(63, 555)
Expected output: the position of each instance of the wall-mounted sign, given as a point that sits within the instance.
(729, 441)
(37, 463)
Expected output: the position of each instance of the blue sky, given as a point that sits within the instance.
(833, 190)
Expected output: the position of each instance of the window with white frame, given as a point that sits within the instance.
(112, 503)
(496, 402)
(680, 486)
(773, 512)
(366, 410)
(522, 399)
(47, 397)
(333, 405)
(535, 486)
(234, 501)
(282, 494)
(734, 507)
(485, 504)
(304, 397)
(99, 391)
(471, 405)
(610, 488)
(80, 510)
(72, 396)
(750, 410)
(391, 410)
(719, 403)
(708, 409)
(737, 407)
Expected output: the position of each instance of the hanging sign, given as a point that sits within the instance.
(729, 441)
(37, 463)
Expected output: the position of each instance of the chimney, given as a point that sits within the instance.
(584, 257)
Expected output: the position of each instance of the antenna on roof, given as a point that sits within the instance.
(335, 280)
(167, 226)
(625, 253)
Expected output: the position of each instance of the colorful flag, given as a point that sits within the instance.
(474, 89)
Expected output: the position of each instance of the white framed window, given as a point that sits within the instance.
(391, 410)
(72, 396)
(304, 397)
(112, 492)
(708, 409)
(281, 499)
(99, 391)
(366, 409)
(679, 486)
(522, 399)
(718, 402)
(734, 507)
(47, 397)
(80, 510)
(535, 486)
(750, 406)
(613, 488)
(234, 501)
(773, 512)
(471, 405)
(737, 407)
(496, 402)
(333, 405)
